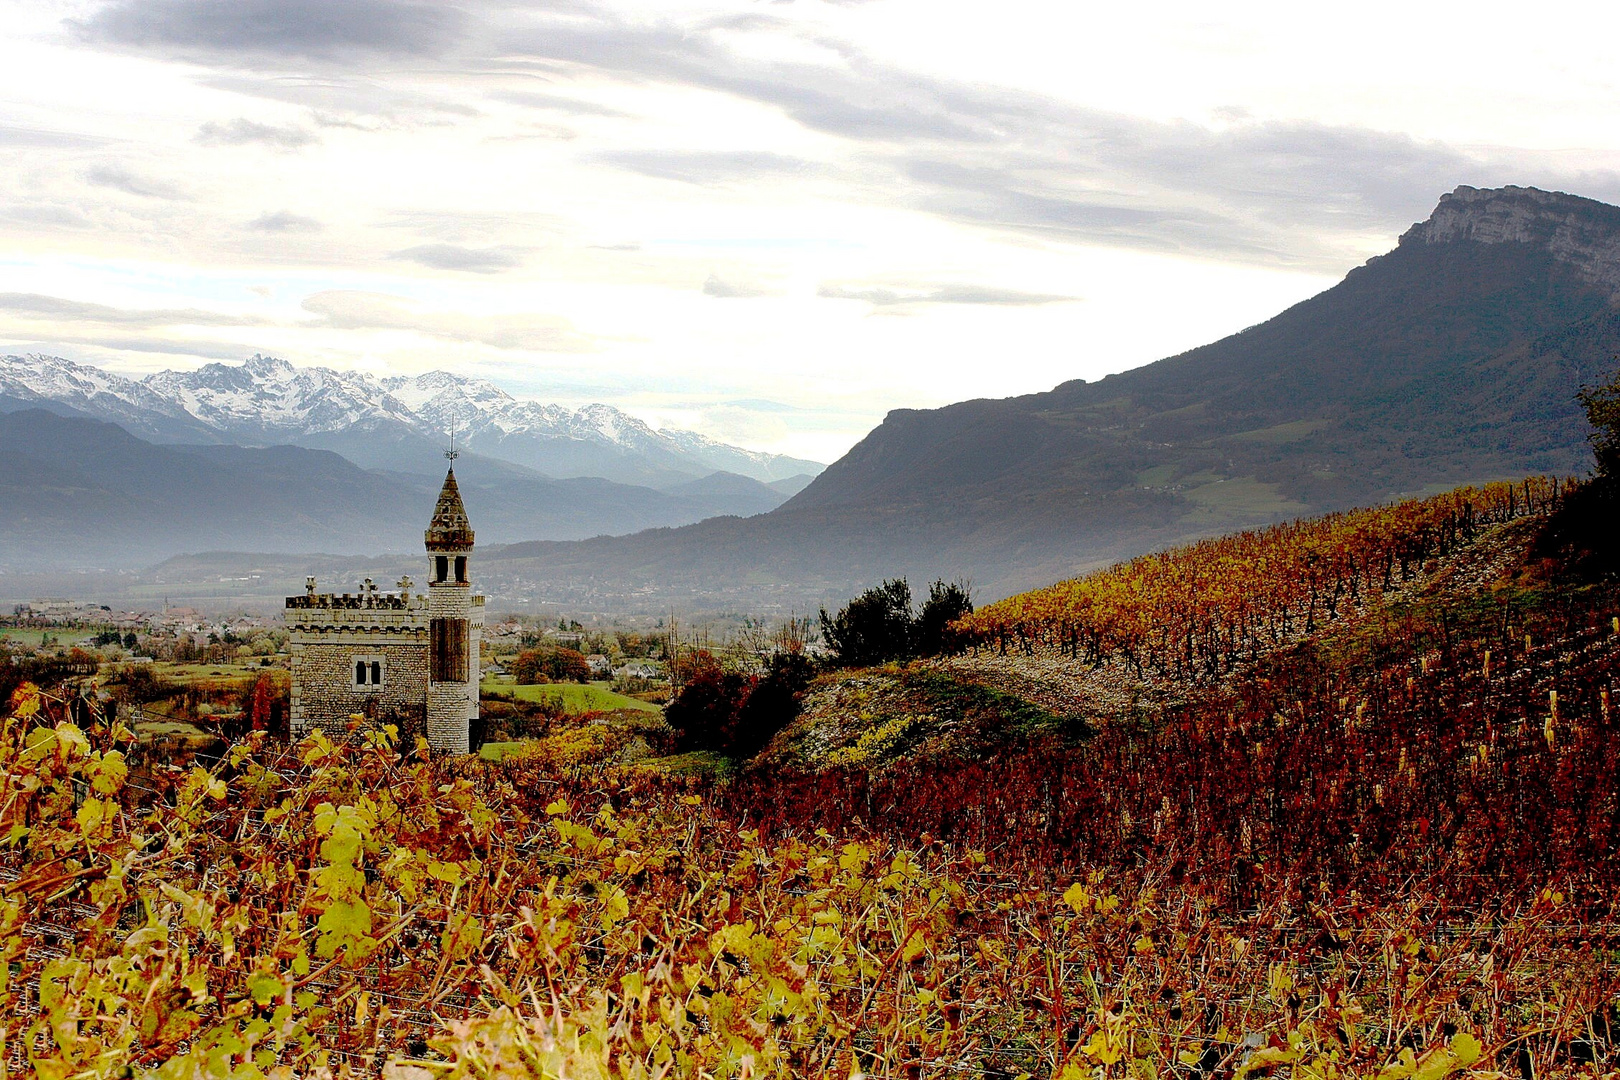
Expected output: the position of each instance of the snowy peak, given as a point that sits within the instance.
(445, 387)
(51, 378)
(266, 399)
(613, 425)
(95, 392)
(443, 400)
(271, 396)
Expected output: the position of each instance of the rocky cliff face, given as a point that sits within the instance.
(1582, 233)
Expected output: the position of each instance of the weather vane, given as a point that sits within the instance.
(452, 453)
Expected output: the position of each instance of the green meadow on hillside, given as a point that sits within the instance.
(573, 697)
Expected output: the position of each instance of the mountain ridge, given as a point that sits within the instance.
(392, 423)
(79, 491)
(1455, 357)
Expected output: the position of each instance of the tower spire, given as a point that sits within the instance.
(449, 527)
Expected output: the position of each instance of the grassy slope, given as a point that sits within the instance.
(984, 703)
(574, 697)
(216, 675)
(867, 717)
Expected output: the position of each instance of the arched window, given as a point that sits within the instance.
(368, 671)
(461, 569)
(441, 567)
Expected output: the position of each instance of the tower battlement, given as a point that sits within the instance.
(369, 598)
(353, 602)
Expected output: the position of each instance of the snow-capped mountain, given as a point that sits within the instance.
(550, 437)
(63, 386)
(397, 423)
(440, 397)
(272, 396)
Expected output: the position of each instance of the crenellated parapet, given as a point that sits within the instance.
(354, 602)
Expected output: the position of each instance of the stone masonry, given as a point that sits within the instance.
(402, 658)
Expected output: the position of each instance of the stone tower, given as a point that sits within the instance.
(452, 698)
(394, 658)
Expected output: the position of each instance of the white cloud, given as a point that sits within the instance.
(561, 194)
(131, 183)
(57, 309)
(888, 296)
(491, 260)
(341, 310)
(716, 286)
(241, 132)
(284, 221)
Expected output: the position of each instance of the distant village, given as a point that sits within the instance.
(54, 626)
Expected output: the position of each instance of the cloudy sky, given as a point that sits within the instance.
(768, 221)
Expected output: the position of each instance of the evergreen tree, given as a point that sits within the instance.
(945, 604)
(1602, 405)
(876, 626)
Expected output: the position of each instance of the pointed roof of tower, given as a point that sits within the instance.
(449, 527)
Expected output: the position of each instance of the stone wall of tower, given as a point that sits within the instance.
(475, 635)
(448, 727)
(452, 705)
(323, 689)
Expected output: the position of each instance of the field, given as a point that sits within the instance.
(216, 675)
(495, 751)
(574, 697)
(31, 637)
(1334, 800)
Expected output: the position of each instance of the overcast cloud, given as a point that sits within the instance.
(306, 29)
(37, 306)
(882, 296)
(516, 186)
(454, 257)
(345, 310)
(239, 131)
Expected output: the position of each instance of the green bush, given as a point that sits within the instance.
(878, 625)
(1602, 405)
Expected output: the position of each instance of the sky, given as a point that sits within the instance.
(770, 222)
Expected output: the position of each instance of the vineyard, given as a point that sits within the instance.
(1373, 836)
(1200, 611)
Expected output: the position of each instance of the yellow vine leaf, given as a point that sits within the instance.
(462, 935)
(1077, 898)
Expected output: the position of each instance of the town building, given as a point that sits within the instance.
(395, 657)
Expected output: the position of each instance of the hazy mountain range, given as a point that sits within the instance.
(103, 470)
(400, 423)
(1455, 357)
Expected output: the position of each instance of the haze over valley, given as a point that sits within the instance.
(657, 265)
